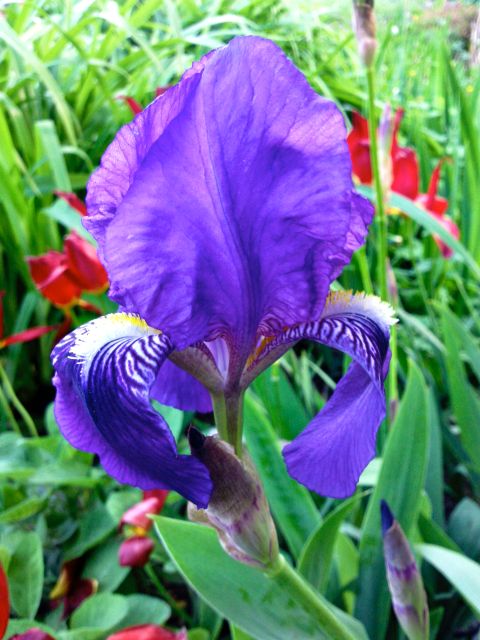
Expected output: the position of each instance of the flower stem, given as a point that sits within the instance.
(9, 413)
(228, 411)
(381, 217)
(300, 591)
(16, 403)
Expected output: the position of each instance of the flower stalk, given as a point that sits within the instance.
(228, 412)
(291, 581)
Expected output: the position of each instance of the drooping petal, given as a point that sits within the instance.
(329, 455)
(241, 205)
(104, 372)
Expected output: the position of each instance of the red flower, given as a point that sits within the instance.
(23, 336)
(73, 200)
(32, 634)
(4, 602)
(70, 588)
(148, 632)
(61, 277)
(83, 264)
(136, 107)
(405, 178)
(437, 206)
(358, 141)
(135, 551)
(137, 516)
(430, 200)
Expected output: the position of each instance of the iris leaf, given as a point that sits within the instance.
(291, 504)
(400, 483)
(258, 605)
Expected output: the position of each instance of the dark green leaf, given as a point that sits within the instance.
(291, 504)
(400, 483)
(256, 604)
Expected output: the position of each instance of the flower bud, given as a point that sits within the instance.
(364, 27)
(238, 509)
(404, 580)
(32, 634)
(135, 551)
(148, 632)
(138, 515)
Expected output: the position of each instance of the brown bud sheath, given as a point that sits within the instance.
(238, 509)
(364, 27)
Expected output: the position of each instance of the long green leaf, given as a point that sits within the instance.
(258, 605)
(465, 401)
(291, 504)
(316, 557)
(461, 572)
(400, 483)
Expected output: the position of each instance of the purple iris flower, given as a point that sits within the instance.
(223, 213)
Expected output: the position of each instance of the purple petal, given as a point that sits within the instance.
(104, 372)
(330, 454)
(177, 388)
(241, 206)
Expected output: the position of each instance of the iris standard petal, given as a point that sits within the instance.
(241, 205)
(104, 372)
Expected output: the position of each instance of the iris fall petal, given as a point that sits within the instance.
(330, 454)
(104, 372)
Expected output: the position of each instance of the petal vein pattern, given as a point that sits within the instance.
(104, 372)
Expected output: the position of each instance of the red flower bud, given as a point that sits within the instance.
(148, 632)
(32, 634)
(135, 551)
(137, 516)
(4, 602)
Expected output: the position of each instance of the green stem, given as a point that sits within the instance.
(300, 591)
(228, 412)
(9, 413)
(381, 217)
(17, 404)
(361, 258)
(166, 595)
